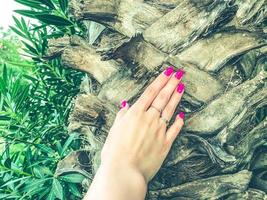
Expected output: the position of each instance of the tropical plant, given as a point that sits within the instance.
(221, 45)
(35, 108)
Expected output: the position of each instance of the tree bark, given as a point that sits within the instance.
(221, 45)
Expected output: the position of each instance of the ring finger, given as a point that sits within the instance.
(174, 101)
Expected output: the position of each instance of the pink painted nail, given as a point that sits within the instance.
(180, 87)
(181, 115)
(168, 71)
(123, 104)
(179, 74)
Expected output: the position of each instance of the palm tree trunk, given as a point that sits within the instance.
(221, 45)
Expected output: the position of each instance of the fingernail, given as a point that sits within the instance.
(179, 74)
(180, 87)
(181, 115)
(168, 71)
(123, 104)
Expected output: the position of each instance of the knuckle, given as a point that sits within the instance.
(181, 123)
(163, 95)
(148, 117)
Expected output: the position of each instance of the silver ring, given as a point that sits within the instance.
(165, 120)
(159, 110)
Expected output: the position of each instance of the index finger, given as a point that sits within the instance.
(153, 89)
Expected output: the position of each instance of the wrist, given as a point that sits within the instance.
(126, 170)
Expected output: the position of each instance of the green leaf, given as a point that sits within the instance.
(31, 78)
(31, 4)
(71, 138)
(4, 196)
(5, 73)
(74, 190)
(53, 20)
(18, 32)
(37, 172)
(51, 195)
(27, 65)
(27, 13)
(45, 148)
(43, 171)
(32, 49)
(18, 24)
(63, 5)
(32, 191)
(34, 184)
(44, 193)
(59, 147)
(48, 3)
(57, 189)
(13, 181)
(73, 178)
(7, 163)
(24, 25)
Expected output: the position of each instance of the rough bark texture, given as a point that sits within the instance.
(221, 45)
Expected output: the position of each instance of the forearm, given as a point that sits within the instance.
(117, 183)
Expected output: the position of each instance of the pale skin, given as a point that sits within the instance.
(139, 141)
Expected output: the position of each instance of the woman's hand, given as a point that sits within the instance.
(139, 138)
(138, 141)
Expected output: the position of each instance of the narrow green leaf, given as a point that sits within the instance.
(17, 22)
(57, 189)
(4, 196)
(26, 65)
(5, 72)
(71, 138)
(44, 193)
(48, 3)
(63, 5)
(33, 184)
(18, 32)
(74, 190)
(13, 180)
(37, 172)
(31, 78)
(32, 191)
(53, 20)
(30, 48)
(45, 148)
(4, 117)
(24, 25)
(7, 163)
(51, 195)
(45, 170)
(27, 13)
(73, 178)
(31, 4)
(59, 147)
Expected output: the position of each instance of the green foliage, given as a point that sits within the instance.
(9, 54)
(50, 13)
(34, 108)
(33, 125)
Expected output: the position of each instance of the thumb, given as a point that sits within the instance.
(124, 106)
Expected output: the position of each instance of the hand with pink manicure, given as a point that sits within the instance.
(139, 140)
